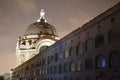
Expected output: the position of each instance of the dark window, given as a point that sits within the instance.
(72, 66)
(70, 51)
(65, 67)
(52, 58)
(60, 68)
(56, 57)
(55, 69)
(60, 55)
(43, 62)
(43, 47)
(88, 64)
(78, 49)
(48, 60)
(30, 42)
(48, 70)
(101, 62)
(112, 19)
(114, 36)
(89, 44)
(99, 41)
(115, 59)
(51, 69)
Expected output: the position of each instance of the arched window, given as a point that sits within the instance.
(48, 60)
(51, 69)
(116, 78)
(66, 53)
(99, 41)
(115, 59)
(114, 36)
(101, 62)
(22, 58)
(65, 67)
(88, 64)
(43, 47)
(70, 51)
(40, 71)
(55, 69)
(78, 65)
(48, 70)
(60, 68)
(56, 57)
(79, 49)
(72, 66)
(60, 55)
(89, 44)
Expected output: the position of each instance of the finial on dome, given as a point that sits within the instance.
(42, 16)
(42, 13)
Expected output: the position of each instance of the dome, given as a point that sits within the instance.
(41, 28)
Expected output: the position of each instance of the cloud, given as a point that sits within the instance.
(26, 5)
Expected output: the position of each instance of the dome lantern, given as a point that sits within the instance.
(42, 16)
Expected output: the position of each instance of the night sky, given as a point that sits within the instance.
(65, 15)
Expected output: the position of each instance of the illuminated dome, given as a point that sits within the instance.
(41, 27)
(37, 37)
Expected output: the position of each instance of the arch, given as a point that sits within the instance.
(89, 44)
(115, 59)
(79, 48)
(22, 58)
(65, 67)
(101, 61)
(56, 57)
(88, 64)
(43, 47)
(60, 68)
(66, 53)
(114, 36)
(44, 42)
(72, 66)
(78, 65)
(99, 40)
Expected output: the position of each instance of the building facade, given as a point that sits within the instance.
(91, 52)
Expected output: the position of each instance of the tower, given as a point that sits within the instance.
(38, 36)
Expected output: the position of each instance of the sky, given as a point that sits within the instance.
(64, 15)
